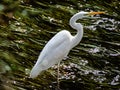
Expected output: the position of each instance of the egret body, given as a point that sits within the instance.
(60, 45)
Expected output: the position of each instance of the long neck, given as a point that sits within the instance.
(77, 38)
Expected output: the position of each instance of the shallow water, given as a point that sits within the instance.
(91, 65)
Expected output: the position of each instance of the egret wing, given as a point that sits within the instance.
(56, 48)
(54, 51)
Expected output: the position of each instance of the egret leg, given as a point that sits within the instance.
(58, 82)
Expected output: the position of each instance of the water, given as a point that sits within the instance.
(92, 65)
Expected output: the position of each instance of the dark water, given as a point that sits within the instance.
(26, 26)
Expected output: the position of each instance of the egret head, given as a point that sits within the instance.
(91, 13)
(95, 13)
(84, 14)
(81, 15)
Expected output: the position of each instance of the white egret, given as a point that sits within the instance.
(60, 45)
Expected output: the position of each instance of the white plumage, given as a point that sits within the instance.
(60, 45)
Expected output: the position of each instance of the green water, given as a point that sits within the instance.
(26, 26)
